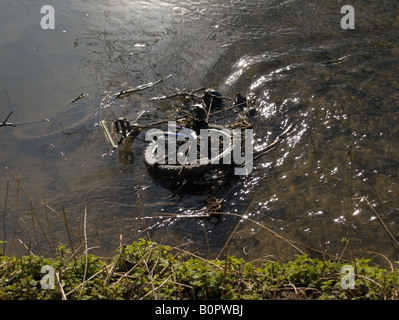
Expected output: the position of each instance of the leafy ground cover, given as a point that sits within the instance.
(146, 270)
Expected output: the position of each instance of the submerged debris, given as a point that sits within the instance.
(5, 123)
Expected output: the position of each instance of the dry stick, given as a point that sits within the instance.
(157, 288)
(150, 273)
(108, 136)
(69, 234)
(26, 247)
(63, 217)
(180, 94)
(73, 256)
(269, 148)
(65, 269)
(261, 154)
(102, 246)
(86, 249)
(60, 286)
(196, 256)
(108, 279)
(33, 213)
(140, 203)
(161, 272)
(206, 239)
(383, 256)
(15, 221)
(228, 240)
(380, 220)
(233, 106)
(153, 124)
(126, 274)
(209, 110)
(290, 242)
(185, 160)
(207, 215)
(124, 93)
(79, 237)
(87, 280)
(235, 229)
(349, 153)
(45, 204)
(78, 98)
(49, 228)
(343, 250)
(4, 217)
(27, 230)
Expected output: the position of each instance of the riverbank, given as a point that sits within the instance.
(148, 271)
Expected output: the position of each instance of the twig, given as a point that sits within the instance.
(26, 247)
(209, 110)
(260, 154)
(198, 257)
(33, 212)
(290, 242)
(185, 160)
(63, 217)
(16, 220)
(7, 124)
(235, 229)
(269, 148)
(228, 240)
(67, 229)
(4, 218)
(46, 205)
(65, 269)
(124, 93)
(396, 243)
(27, 231)
(102, 246)
(190, 94)
(233, 106)
(50, 231)
(381, 255)
(108, 135)
(86, 250)
(60, 286)
(108, 279)
(179, 188)
(150, 273)
(157, 288)
(78, 98)
(349, 214)
(85, 281)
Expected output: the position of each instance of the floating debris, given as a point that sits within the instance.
(78, 98)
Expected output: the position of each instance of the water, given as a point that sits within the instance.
(333, 178)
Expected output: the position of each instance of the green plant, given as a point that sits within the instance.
(146, 270)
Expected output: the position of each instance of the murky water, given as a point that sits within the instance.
(333, 178)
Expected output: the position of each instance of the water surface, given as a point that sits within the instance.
(334, 178)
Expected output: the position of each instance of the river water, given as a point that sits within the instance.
(330, 188)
